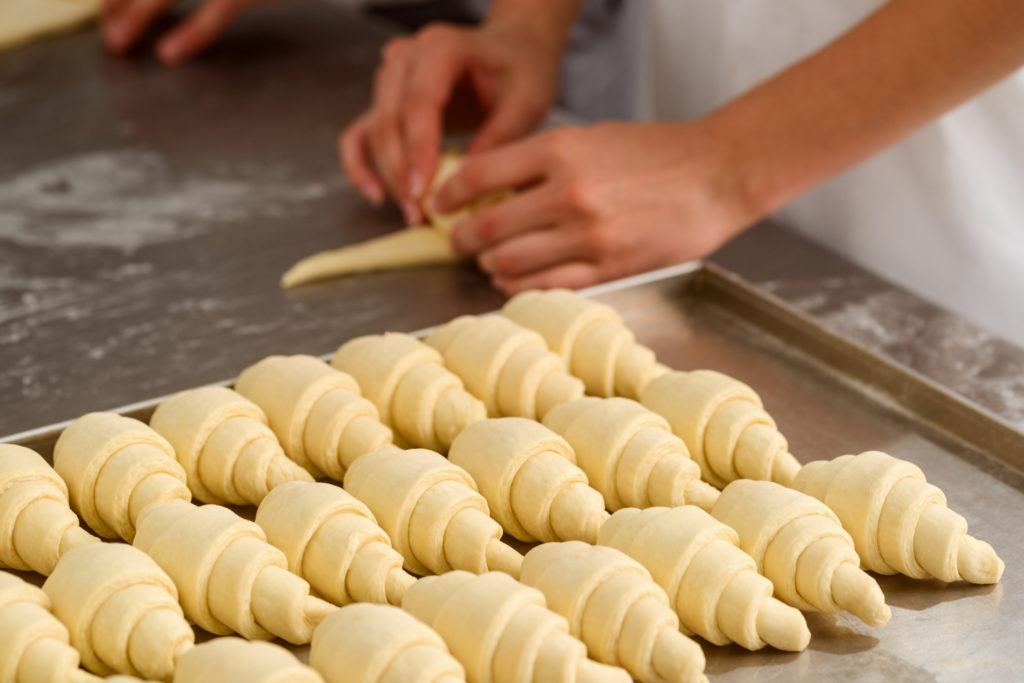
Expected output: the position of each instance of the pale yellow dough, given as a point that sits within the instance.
(416, 246)
(431, 511)
(120, 609)
(233, 660)
(35, 646)
(529, 477)
(37, 525)
(590, 337)
(22, 21)
(799, 544)
(115, 467)
(630, 454)
(316, 411)
(333, 541)
(502, 631)
(899, 522)
(366, 643)
(424, 402)
(614, 607)
(222, 440)
(505, 365)
(229, 579)
(724, 425)
(712, 584)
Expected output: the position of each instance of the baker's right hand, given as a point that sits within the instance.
(123, 23)
(393, 148)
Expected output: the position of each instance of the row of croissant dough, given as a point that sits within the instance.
(665, 504)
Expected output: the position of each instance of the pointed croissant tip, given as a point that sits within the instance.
(977, 562)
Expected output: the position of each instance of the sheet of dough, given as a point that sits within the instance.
(24, 20)
(419, 246)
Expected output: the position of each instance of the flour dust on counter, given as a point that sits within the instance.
(126, 199)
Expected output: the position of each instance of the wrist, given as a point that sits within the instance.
(543, 24)
(734, 172)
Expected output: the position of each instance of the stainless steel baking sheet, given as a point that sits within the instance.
(830, 397)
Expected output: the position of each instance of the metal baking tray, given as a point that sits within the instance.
(830, 396)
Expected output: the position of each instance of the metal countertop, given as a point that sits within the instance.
(146, 214)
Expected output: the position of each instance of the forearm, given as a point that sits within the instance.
(901, 67)
(548, 21)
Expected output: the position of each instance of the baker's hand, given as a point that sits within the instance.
(598, 203)
(394, 147)
(125, 21)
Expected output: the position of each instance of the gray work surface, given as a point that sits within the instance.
(147, 213)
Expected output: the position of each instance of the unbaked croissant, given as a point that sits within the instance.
(724, 426)
(899, 522)
(799, 544)
(423, 401)
(590, 337)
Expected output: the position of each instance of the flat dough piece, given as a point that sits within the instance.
(419, 246)
(22, 21)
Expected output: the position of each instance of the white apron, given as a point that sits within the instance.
(941, 214)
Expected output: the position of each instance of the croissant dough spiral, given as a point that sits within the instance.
(529, 477)
(505, 365)
(333, 541)
(712, 584)
(37, 525)
(502, 631)
(630, 454)
(34, 645)
(799, 544)
(431, 511)
(315, 411)
(899, 522)
(222, 440)
(120, 609)
(115, 467)
(229, 579)
(367, 643)
(614, 607)
(423, 401)
(590, 337)
(233, 660)
(724, 426)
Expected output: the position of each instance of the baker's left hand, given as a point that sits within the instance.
(599, 202)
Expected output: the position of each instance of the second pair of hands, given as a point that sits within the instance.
(593, 203)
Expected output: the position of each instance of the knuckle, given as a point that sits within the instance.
(394, 50)
(487, 227)
(597, 240)
(579, 197)
(561, 144)
(436, 32)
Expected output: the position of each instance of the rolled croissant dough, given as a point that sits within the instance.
(416, 246)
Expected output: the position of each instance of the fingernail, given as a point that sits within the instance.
(461, 244)
(373, 193)
(416, 184)
(486, 263)
(115, 34)
(169, 50)
(410, 212)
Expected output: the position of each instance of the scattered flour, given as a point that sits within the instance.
(127, 199)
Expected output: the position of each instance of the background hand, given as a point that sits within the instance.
(598, 203)
(394, 147)
(124, 22)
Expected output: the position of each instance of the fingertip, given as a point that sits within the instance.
(172, 50)
(115, 35)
